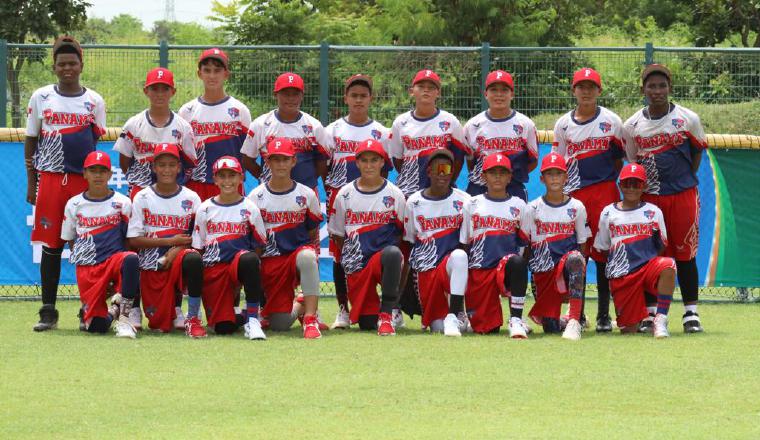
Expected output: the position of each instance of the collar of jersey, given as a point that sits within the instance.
(596, 115)
(76, 95)
(437, 199)
(227, 204)
(277, 115)
(345, 119)
(511, 115)
(279, 193)
(557, 205)
(435, 115)
(84, 196)
(211, 104)
(153, 188)
(494, 199)
(356, 187)
(150, 121)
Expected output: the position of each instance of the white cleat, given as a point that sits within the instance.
(179, 321)
(573, 330)
(516, 328)
(124, 329)
(135, 318)
(528, 329)
(398, 319)
(661, 326)
(451, 325)
(342, 321)
(253, 330)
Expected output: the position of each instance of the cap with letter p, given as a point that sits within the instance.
(227, 163)
(288, 80)
(97, 158)
(633, 171)
(215, 54)
(497, 160)
(281, 147)
(587, 74)
(427, 75)
(159, 75)
(371, 146)
(553, 161)
(162, 149)
(500, 77)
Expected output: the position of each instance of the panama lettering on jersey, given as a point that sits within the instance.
(221, 231)
(219, 129)
(554, 230)
(288, 217)
(68, 128)
(493, 229)
(433, 227)
(342, 140)
(412, 141)
(590, 148)
(664, 147)
(307, 135)
(368, 222)
(97, 226)
(632, 237)
(158, 216)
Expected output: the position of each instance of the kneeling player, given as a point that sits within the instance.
(633, 235)
(160, 227)
(230, 233)
(367, 225)
(491, 230)
(432, 223)
(556, 225)
(95, 224)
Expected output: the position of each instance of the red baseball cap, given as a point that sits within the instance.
(227, 163)
(96, 158)
(587, 74)
(161, 149)
(553, 161)
(288, 80)
(160, 75)
(281, 146)
(371, 146)
(497, 160)
(427, 75)
(633, 171)
(500, 76)
(216, 54)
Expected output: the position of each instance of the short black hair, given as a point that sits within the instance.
(213, 61)
(67, 49)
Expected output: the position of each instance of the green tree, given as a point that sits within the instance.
(175, 32)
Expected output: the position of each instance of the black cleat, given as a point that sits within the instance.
(647, 324)
(82, 325)
(48, 318)
(691, 323)
(603, 324)
(551, 325)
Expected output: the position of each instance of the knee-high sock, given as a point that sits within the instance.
(192, 273)
(456, 268)
(516, 280)
(249, 274)
(391, 259)
(688, 280)
(603, 289)
(341, 291)
(575, 275)
(130, 283)
(50, 273)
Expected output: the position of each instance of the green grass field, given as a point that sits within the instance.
(65, 384)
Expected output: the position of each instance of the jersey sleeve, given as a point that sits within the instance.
(245, 122)
(258, 229)
(100, 117)
(602, 241)
(458, 145)
(188, 143)
(199, 231)
(33, 117)
(582, 230)
(136, 227)
(337, 223)
(696, 132)
(468, 140)
(69, 227)
(124, 144)
(409, 227)
(465, 232)
(526, 223)
(395, 147)
(660, 227)
(559, 145)
(531, 139)
(322, 137)
(618, 142)
(252, 143)
(313, 212)
(400, 207)
(631, 149)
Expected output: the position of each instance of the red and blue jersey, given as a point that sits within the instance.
(493, 229)
(221, 231)
(98, 227)
(554, 230)
(342, 139)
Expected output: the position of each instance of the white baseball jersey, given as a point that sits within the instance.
(157, 216)
(221, 231)
(139, 138)
(413, 140)
(369, 222)
(98, 227)
(289, 217)
(664, 147)
(307, 135)
(342, 139)
(554, 230)
(590, 148)
(219, 130)
(493, 229)
(632, 237)
(68, 128)
(433, 227)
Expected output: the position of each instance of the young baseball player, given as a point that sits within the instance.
(291, 216)
(632, 233)
(63, 125)
(590, 138)
(667, 140)
(367, 223)
(160, 228)
(343, 136)
(229, 232)
(306, 134)
(492, 231)
(558, 231)
(432, 224)
(95, 225)
(500, 129)
(220, 122)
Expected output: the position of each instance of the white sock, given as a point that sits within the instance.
(652, 310)
(692, 308)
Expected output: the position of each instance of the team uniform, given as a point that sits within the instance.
(68, 128)
(154, 215)
(514, 136)
(224, 233)
(99, 227)
(219, 129)
(139, 138)
(664, 148)
(634, 239)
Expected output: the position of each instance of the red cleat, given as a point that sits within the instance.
(385, 325)
(311, 327)
(194, 328)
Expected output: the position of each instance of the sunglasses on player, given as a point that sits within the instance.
(442, 169)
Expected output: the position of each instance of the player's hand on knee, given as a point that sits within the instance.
(168, 258)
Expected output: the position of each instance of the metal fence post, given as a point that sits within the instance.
(163, 54)
(3, 83)
(649, 54)
(485, 67)
(324, 83)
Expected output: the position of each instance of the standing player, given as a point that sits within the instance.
(667, 140)
(367, 224)
(343, 137)
(491, 230)
(500, 129)
(95, 225)
(590, 138)
(160, 227)
(633, 233)
(63, 125)
(220, 122)
(291, 217)
(556, 225)
(432, 224)
(230, 234)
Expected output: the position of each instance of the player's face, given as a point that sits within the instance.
(228, 181)
(213, 75)
(370, 165)
(656, 89)
(166, 168)
(586, 92)
(425, 93)
(497, 179)
(67, 68)
(289, 100)
(280, 165)
(358, 98)
(159, 95)
(97, 177)
(440, 173)
(499, 97)
(632, 189)
(554, 179)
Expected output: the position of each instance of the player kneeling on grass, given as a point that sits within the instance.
(491, 230)
(230, 234)
(432, 223)
(366, 223)
(291, 215)
(632, 233)
(95, 225)
(556, 225)
(160, 227)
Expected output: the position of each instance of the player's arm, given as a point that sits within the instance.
(250, 165)
(125, 162)
(182, 240)
(696, 159)
(30, 147)
(320, 167)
